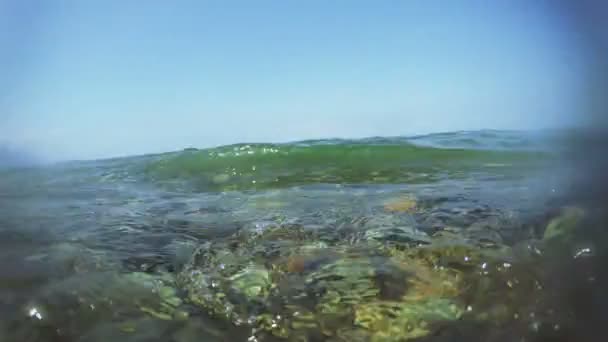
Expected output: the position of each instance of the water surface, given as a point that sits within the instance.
(234, 243)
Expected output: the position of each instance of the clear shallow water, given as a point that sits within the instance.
(121, 248)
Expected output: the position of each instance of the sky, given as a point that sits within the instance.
(96, 79)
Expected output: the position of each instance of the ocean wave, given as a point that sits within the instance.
(335, 161)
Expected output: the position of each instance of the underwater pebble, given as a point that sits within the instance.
(127, 328)
(153, 313)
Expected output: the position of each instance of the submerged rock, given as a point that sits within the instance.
(226, 283)
(387, 281)
(402, 321)
(393, 229)
(403, 204)
(253, 282)
(564, 226)
(204, 329)
(164, 302)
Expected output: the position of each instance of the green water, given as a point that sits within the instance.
(263, 166)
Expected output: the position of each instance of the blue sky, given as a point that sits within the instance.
(94, 79)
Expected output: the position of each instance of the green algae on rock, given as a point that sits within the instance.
(164, 305)
(564, 226)
(402, 321)
(384, 282)
(253, 282)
